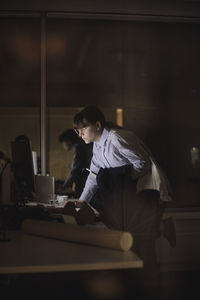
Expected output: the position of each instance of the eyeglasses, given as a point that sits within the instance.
(81, 130)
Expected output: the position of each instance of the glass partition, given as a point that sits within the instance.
(19, 82)
(143, 74)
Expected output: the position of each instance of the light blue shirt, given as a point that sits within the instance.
(116, 148)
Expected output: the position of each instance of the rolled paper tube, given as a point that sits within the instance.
(101, 237)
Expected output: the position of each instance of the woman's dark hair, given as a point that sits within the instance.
(91, 114)
(69, 136)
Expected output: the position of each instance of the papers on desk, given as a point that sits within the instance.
(56, 204)
(101, 237)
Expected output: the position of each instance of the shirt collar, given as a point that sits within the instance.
(103, 138)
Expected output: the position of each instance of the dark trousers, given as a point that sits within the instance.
(139, 213)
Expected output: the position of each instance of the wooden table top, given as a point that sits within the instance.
(31, 254)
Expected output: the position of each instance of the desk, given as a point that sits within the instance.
(30, 254)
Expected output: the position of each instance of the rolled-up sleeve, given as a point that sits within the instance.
(91, 183)
(89, 189)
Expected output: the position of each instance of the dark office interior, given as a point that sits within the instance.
(139, 62)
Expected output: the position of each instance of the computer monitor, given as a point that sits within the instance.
(35, 164)
(23, 166)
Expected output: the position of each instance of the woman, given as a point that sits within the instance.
(125, 184)
(116, 148)
(82, 154)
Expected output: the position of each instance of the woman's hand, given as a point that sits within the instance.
(79, 203)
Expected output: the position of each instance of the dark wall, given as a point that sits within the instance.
(139, 7)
